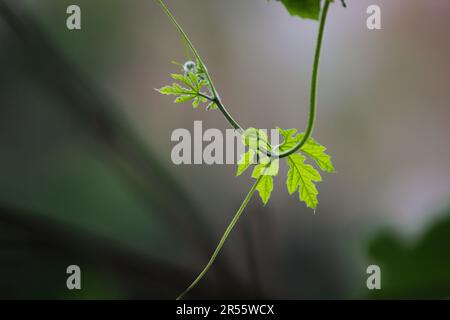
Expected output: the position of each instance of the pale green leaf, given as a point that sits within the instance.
(309, 9)
(245, 161)
(290, 139)
(193, 79)
(196, 102)
(184, 98)
(302, 176)
(211, 106)
(308, 194)
(265, 187)
(266, 168)
(312, 148)
(178, 77)
(317, 152)
(256, 138)
(174, 89)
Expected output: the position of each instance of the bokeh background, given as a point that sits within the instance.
(86, 176)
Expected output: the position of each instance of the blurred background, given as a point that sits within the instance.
(86, 176)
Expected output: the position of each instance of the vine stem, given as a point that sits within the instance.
(223, 239)
(313, 93)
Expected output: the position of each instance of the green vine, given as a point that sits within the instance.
(222, 240)
(195, 85)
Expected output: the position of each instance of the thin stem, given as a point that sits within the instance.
(223, 239)
(313, 93)
(211, 99)
(227, 115)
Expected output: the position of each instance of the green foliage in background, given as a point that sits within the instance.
(78, 185)
(308, 9)
(418, 269)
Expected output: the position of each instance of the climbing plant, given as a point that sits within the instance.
(194, 84)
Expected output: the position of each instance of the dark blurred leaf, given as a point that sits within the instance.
(309, 9)
(36, 250)
(70, 156)
(418, 270)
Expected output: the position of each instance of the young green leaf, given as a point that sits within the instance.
(184, 98)
(211, 106)
(265, 187)
(265, 171)
(193, 82)
(175, 90)
(245, 161)
(193, 79)
(266, 167)
(290, 138)
(302, 176)
(255, 138)
(308, 9)
(317, 152)
(179, 77)
(198, 100)
(311, 148)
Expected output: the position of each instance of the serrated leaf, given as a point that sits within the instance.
(312, 148)
(308, 9)
(193, 79)
(165, 90)
(255, 138)
(196, 102)
(317, 152)
(266, 167)
(308, 194)
(290, 139)
(245, 161)
(176, 63)
(211, 106)
(194, 82)
(302, 176)
(172, 90)
(184, 98)
(265, 187)
(203, 82)
(178, 77)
